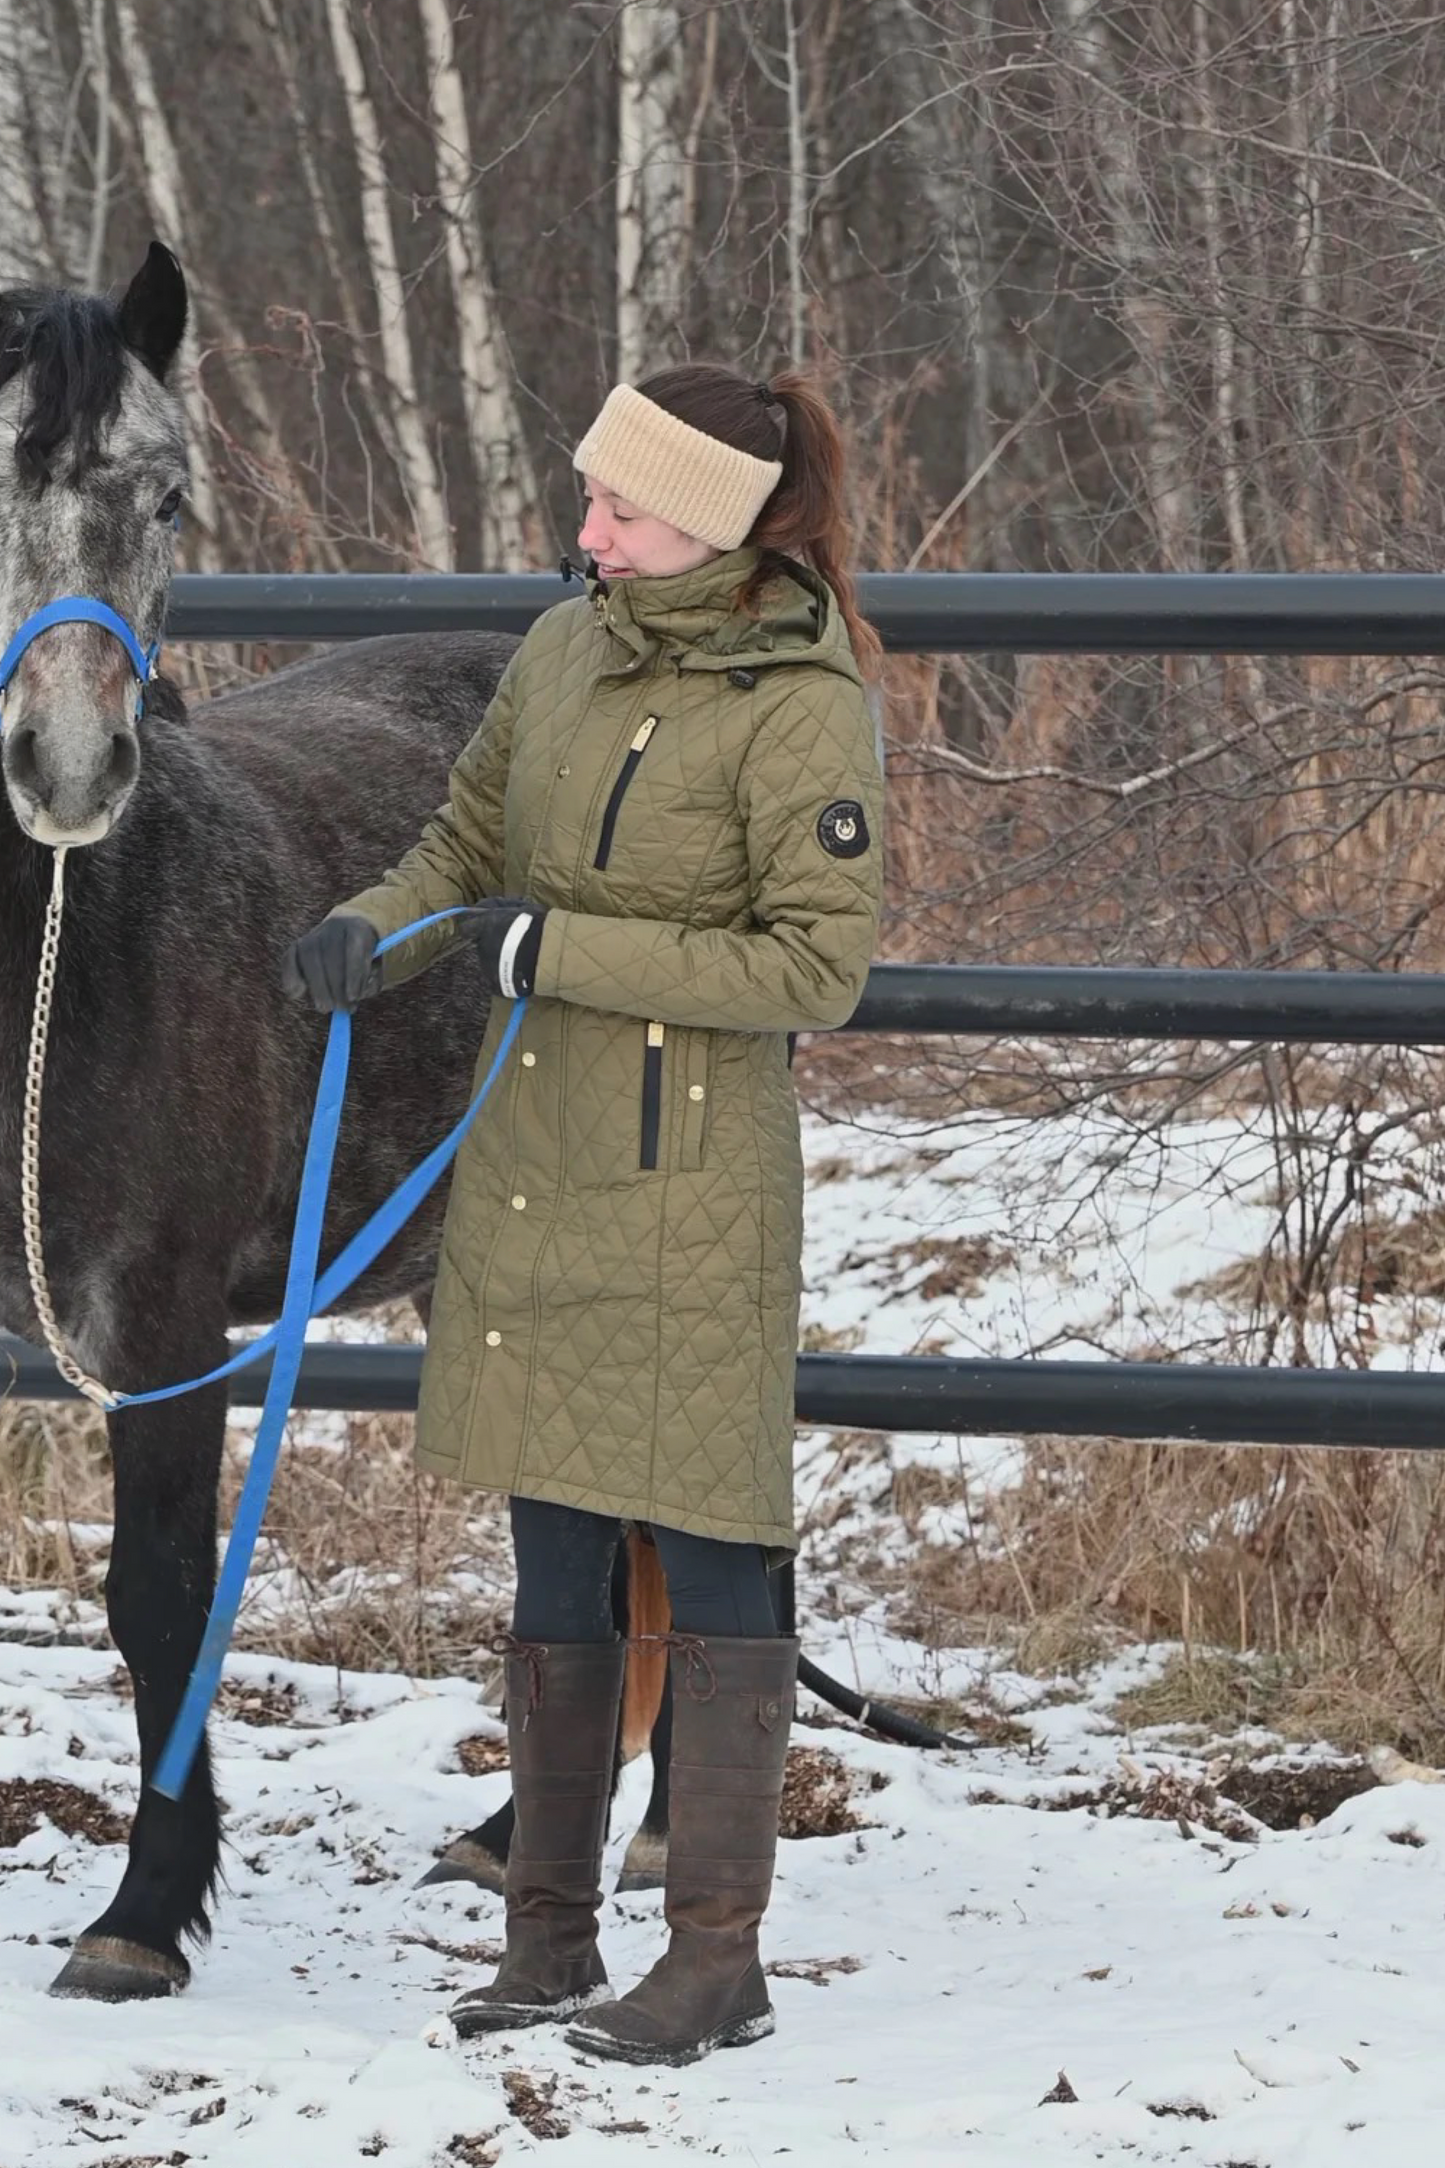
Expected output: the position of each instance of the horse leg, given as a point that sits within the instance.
(647, 1714)
(158, 1591)
(480, 1856)
(645, 1864)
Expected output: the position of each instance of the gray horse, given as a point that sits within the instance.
(180, 1081)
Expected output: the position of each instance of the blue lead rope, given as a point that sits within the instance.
(305, 1297)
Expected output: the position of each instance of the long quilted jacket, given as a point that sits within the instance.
(694, 794)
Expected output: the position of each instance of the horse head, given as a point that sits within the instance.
(93, 471)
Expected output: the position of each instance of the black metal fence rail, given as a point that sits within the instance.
(955, 613)
(957, 1395)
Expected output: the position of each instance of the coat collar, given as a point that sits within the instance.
(694, 617)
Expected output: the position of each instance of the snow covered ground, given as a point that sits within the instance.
(1210, 1998)
(1213, 1991)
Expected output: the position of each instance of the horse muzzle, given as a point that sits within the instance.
(74, 794)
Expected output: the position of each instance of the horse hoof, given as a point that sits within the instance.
(638, 1878)
(645, 1866)
(467, 1861)
(106, 1968)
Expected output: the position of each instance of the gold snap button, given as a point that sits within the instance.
(694, 1091)
(494, 1338)
(529, 1061)
(519, 1204)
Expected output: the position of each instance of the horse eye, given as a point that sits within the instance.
(170, 504)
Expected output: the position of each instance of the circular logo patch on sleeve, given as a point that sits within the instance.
(842, 829)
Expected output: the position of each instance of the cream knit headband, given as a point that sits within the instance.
(666, 467)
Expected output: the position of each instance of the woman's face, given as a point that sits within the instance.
(628, 544)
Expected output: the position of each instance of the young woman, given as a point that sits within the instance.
(670, 823)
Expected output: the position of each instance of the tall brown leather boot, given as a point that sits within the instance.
(732, 1710)
(563, 1700)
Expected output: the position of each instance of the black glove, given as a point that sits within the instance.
(334, 966)
(508, 934)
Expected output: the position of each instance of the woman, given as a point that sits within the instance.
(669, 820)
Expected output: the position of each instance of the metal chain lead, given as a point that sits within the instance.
(65, 1362)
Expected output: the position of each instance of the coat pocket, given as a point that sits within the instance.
(691, 1053)
(618, 792)
(652, 1093)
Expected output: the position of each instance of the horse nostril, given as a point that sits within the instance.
(124, 761)
(22, 759)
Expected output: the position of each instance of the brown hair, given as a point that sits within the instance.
(786, 418)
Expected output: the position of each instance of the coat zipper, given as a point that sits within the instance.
(619, 789)
(652, 1093)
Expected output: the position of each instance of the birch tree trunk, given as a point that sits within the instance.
(40, 239)
(1313, 89)
(96, 47)
(418, 468)
(506, 484)
(651, 239)
(797, 187)
(160, 166)
(1223, 350)
(22, 225)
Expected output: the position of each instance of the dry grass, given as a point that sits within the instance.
(54, 1489)
(364, 1563)
(1304, 1587)
(386, 1569)
(1369, 1257)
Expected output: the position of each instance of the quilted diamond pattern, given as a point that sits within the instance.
(609, 1332)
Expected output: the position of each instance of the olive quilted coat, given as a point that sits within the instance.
(694, 794)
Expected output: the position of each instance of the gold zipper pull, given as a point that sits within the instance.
(655, 1034)
(649, 725)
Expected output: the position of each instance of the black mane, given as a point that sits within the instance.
(71, 347)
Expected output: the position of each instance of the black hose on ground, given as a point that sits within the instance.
(888, 1723)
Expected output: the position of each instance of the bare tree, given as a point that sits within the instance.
(420, 470)
(40, 229)
(506, 485)
(651, 242)
(340, 269)
(164, 188)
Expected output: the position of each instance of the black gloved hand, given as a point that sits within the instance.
(334, 966)
(508, 934)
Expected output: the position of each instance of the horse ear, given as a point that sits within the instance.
(153, 312)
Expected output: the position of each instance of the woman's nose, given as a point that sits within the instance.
(592, 534)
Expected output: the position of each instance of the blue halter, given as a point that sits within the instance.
(79, 609)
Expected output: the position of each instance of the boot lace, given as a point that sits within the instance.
(534, 1655)
(699, 1678)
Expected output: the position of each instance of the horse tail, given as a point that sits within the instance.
(648, 1612)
